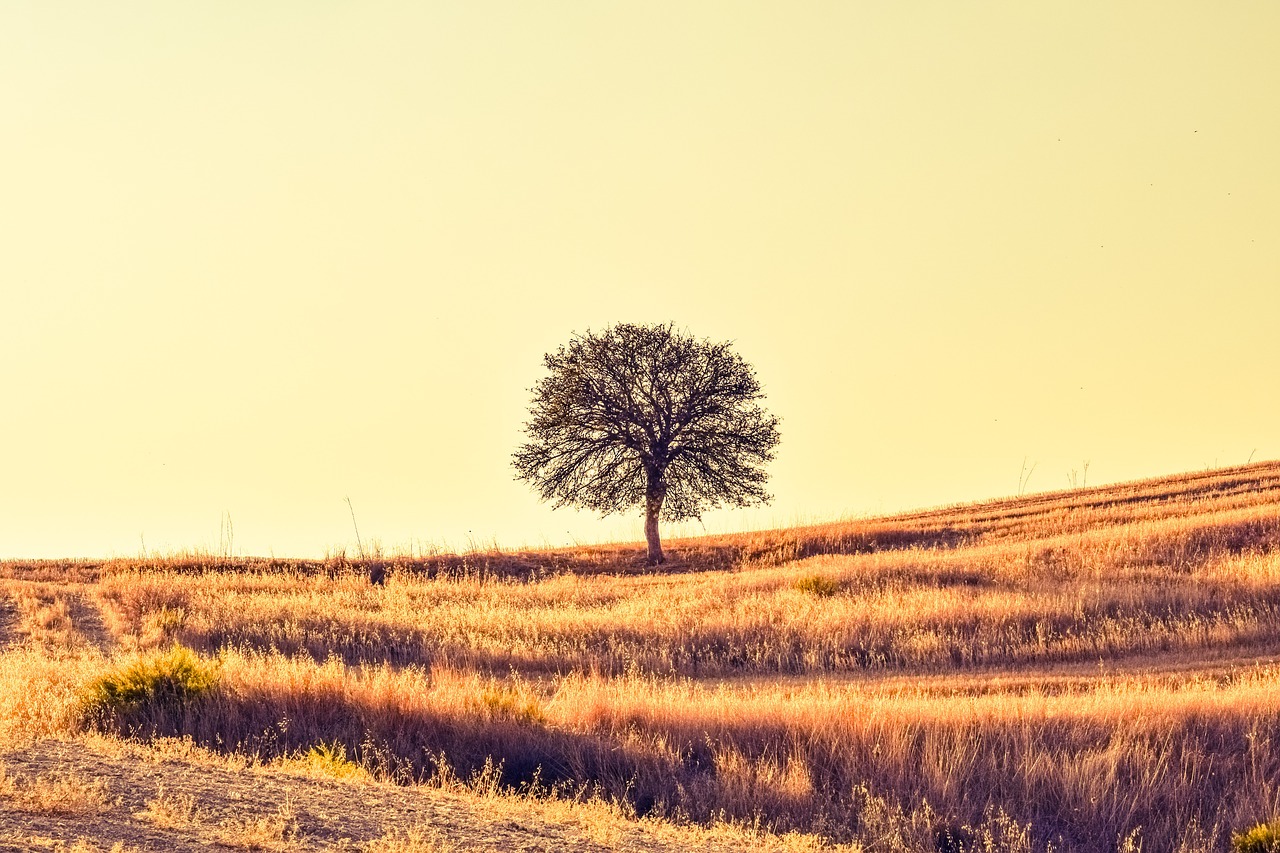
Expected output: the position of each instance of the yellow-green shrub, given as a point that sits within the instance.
(1263, 838)
(819, 586)
(330, 759)
(158, 683)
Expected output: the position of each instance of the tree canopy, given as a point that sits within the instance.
(647, 415)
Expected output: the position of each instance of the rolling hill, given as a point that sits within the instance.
(1093, 669)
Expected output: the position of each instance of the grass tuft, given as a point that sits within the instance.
(819, 586)
(1263, 838)
(329, 759)
(502, 701)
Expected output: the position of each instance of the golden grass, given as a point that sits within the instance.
(1122, 751)
(1062, 598)
(40, 694)
(44, 617)
(1093, 669)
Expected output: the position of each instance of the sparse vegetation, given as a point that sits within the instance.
(171, 810)
(278, 831)
(1059, 669)
(411, 840)
(176, 810)
(64, 793)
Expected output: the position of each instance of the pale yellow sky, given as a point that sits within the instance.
(256, 258)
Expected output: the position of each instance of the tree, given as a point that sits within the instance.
(647, 415)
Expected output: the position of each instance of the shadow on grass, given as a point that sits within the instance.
(1073, 780)
(505, 745)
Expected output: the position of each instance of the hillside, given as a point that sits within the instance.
(1093, 669)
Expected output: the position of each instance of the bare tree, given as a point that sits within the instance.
(647, 415)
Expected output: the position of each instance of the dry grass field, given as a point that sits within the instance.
(1096, 669)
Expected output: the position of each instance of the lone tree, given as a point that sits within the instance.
(647, 415)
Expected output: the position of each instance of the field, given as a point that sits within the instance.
(1096, 669)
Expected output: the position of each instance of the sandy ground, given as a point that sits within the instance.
(322, 814)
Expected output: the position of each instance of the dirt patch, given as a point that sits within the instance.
(8, 620)
(323, 814)
(87, 618)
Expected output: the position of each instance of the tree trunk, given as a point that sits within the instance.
(654, 493)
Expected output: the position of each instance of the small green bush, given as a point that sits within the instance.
(819, 586)
(1263, 838)
(161, 682)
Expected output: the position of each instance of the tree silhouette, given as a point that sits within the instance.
(647, 415)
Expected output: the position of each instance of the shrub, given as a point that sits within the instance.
(159, 683)
(819, 586)
(330, 759)
(1263, 838)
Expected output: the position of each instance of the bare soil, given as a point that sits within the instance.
(326, 814)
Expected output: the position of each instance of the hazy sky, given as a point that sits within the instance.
(256, 258)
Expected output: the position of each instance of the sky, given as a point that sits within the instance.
(258, 260)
